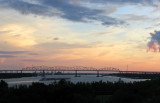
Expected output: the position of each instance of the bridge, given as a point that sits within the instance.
(77, 70)
(63, 69)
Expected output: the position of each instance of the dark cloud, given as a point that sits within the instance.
(68, 11)
(71, 12)
(13, 52)
(80, 13)
(26, 7)
(154, 43)
(7, 56)
(18, 52)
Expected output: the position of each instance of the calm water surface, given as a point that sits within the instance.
(82, 78)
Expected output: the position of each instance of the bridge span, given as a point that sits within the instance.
(62, 69)
(76, 70)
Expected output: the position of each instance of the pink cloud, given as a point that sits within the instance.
(2, 60)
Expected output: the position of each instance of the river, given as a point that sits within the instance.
(82, 78)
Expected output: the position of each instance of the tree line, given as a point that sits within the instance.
(95, 92)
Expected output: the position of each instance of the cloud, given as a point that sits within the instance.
(108, 32)
(71, 12)
(17, 35)
(4, 32)
(61, 45)
(7, 56)
(56, 38)
(135, 17)
(157, 6)
(33, 53)
(26, 7)
(154, 43)
(17, 52)
(61, 8)
(80, 13)
(157, 25)
(2, 60)
(143, 2)
(32, 60)
(153, 26)
(13, 52)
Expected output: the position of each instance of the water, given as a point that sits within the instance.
(82, 78)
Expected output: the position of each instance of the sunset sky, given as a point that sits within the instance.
(98, 33)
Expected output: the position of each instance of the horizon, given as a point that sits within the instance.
(92, 33)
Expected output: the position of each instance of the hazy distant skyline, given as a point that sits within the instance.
(80, 32)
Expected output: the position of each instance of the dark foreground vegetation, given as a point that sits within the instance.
(16, 75)
(96, 92)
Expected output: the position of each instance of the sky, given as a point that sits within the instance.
(97, 33)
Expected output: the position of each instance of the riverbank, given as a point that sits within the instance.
(16, 75)
(135, 76)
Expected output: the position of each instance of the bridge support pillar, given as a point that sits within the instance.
(76, 75)
(43, 74)
(35, 72)
(21, 71)
(97, 73)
